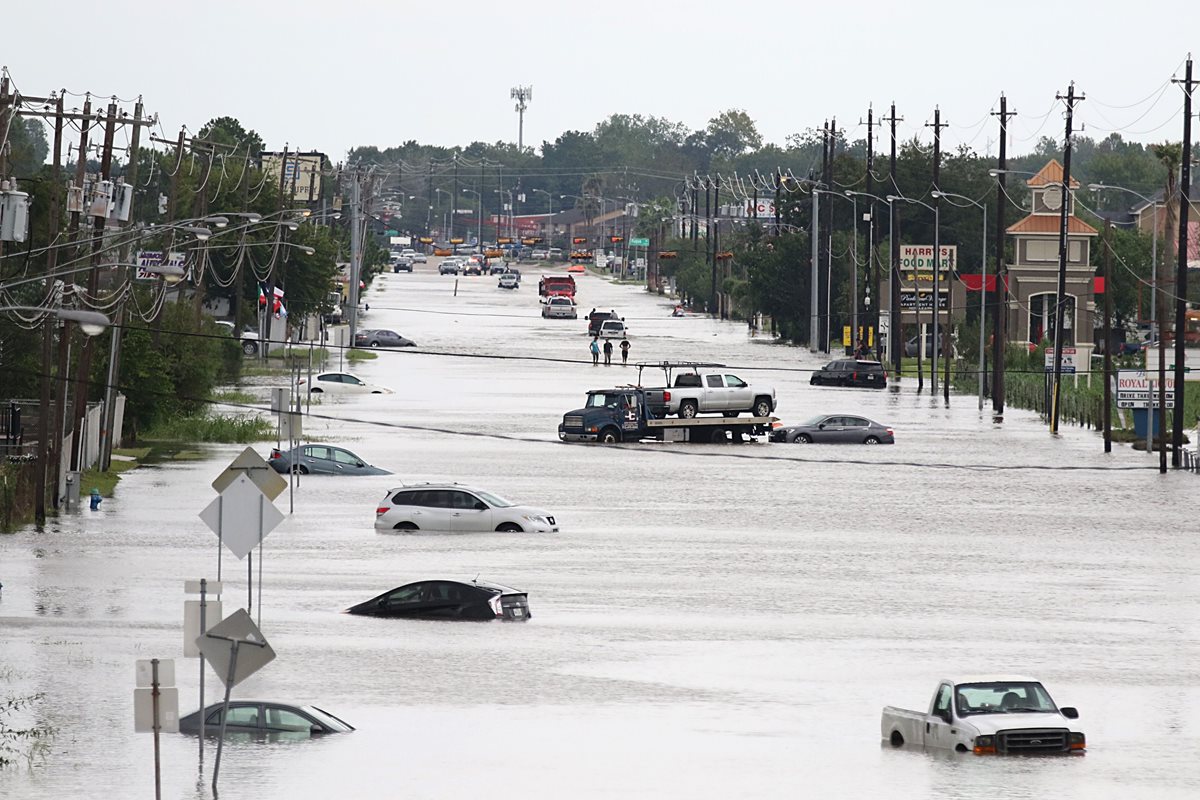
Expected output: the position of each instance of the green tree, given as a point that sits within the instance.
(731, 133)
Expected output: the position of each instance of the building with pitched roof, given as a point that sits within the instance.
(1033, 273)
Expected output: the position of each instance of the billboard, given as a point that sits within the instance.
(147, 260)
(301, 174)
(916, 261)
(910, 298)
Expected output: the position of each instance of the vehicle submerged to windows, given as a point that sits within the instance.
(441, 599)
(322, 460)
(262, 717)
(835, 429)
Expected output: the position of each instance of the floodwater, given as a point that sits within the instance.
(712, 621)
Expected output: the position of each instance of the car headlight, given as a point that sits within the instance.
(535, 518)
(985, 744)
(1077, 740)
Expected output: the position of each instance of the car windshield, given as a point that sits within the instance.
(1007, 697)
(495, 500)
(600, 400)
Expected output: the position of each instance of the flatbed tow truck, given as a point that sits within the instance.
(635, 413)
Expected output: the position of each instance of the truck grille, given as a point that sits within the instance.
(573, 421)
(1032, 741)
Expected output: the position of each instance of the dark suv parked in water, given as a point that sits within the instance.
(851, 372)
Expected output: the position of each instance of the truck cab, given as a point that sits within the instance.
(612, 415)
(987, 716)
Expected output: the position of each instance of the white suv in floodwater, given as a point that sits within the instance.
(459, 509)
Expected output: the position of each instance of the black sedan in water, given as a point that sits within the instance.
(381, 338)
(851, 372)
(478, 600)
(835, 429)
(265, 717)
(322, 460)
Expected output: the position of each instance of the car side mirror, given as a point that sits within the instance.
(821, 426)
(943, 714)
(1069, 712)
(480, 505)
(359, 464)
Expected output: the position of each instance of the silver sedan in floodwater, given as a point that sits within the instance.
(322, 460)
(835, 429)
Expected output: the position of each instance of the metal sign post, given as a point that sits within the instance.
(195, 623)
(156, 706)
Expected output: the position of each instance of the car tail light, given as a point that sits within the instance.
(891, 432)
(497, 606)
(381, 510)
(854, 376)
(667, 396)
(275, 453)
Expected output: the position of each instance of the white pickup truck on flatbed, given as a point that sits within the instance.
(700, 388)
(1008, 716)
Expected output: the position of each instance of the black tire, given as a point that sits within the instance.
(762, 407)
(509, 527)
(301, 470)
(719, 436)
(802, 438)
(249, 348)
(896, 739)
(871, 440)
(405, 526)
(610, 436)
(374, 344)
(688, 409)
(316, 390)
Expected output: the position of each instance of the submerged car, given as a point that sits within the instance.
(457, 508)
(448, 266)
(340, 383)
(851, 372)
(509, 281)
(381, 338)
(478, 600)
(321, 459)
(265, 717)
(559, 308)
(835, 429)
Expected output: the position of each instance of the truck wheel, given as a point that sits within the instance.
(688, 409)
(719, 436)
(610, 436)
(762, 407)
(249, 348)
(896, 739)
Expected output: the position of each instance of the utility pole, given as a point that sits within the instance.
(825, 223)
(1064, 216)
(872, 276)
(938, 344)
(814, 298)
(453, 199)
(356, 246)
(114, 354)
(1181, 275)
(522, 94)
(720, 311)
(43, 451)
(778, 184)
(895, 337)
(695, 214)
(83, 372)
(708, 254)
(1000, 296)
(1108, 290)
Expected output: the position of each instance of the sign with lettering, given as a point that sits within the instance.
(1138, 388)
(916, 261)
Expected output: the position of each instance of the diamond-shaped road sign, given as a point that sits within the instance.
(242, 516)
(252, 465)
(253, 652)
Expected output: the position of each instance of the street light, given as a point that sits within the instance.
(982, 282)
(550, 219)
(92, 323)
(478, 217)
(937, 264)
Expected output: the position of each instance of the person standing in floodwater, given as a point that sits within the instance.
(595, 347)
(624, 351)
(608, 352)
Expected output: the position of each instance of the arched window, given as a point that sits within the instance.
(1041, 318)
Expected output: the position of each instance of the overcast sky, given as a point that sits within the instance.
(331, 75)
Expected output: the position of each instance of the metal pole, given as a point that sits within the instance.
(1061, 296)
(233, 656)
(203, 630)
(937, 300)
(1108, 289)
(816, 260)
(1181, 274)
(355, 251)
(154, 697)
(982, 302)
(854, 277)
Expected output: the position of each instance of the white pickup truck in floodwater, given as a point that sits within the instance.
(1008, 716)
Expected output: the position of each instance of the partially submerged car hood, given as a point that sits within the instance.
(991, 723)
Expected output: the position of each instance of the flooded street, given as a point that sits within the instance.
(711, 621)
